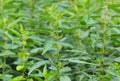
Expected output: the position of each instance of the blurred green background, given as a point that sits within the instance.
(59, 40)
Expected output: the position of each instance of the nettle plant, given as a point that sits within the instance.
(59, 40)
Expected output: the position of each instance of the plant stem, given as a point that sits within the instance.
(5, 47)
(105, 20)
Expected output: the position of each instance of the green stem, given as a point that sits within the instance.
(4, 65)
(5, 44)
(31, 5)
(104, 33)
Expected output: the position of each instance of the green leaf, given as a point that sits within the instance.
(19, 67)
(117, 59)
(47, 46)
(51, 75)
(37, 77)
(66, 45)
(7, 53)
(5, 77)
(14, 31)
(14, 22)
(78, 61)
(37, 65)
(65, 69)
(45, 71)
(18, 78)
(30, 80)
(35, 50)
(65, 78)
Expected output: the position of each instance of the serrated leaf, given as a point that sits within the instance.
(78, 61)
(14, 22)
(65, 78)
(117, 59)
(47, 46)
(37, 65)
(35, 50)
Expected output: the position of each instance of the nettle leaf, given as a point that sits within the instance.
(14, 31)
(55, 39)
(52, 68)
(78, 61)
(45, 71)
(82, 2)
(5, 77)
(111, 71)
(51, 76)
(77, 51)
(117, 59)
(30, 80)
(37, 65)
(19, 78)
(47, 46)
(37, 77)
(7, 53)
(66, 45)
(115, 30)
(84, 34)
(65, 69)
(65, 78)
(35, 50)
(14, 22)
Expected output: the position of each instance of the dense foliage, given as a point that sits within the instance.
(59, 40)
